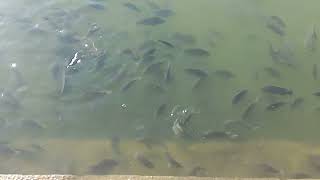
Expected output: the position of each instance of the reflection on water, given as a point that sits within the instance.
(210, 88)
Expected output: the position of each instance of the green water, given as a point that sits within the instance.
(38, 35)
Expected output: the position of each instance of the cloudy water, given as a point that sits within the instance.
(160, 87)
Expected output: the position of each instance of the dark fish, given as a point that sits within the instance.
(267, 169)
(315, 72)
(100, 60)
(147, 59)
(5, 150)
(144, 160)
(128, 85)
(115, 144)
(316, 94)
(315, 161)
(215, 135)
(249, 110)
(37, 148)
(149, 142)
(196, 72)
(164, 13)
(225, 74)
(128, 52)
(239, 96)
(132, 6)
(97, 6)
(166, 43)
(150, 52)
(59, 74)
(197, 171)
(156, 87)
(172, 163)
(277, 90)
(153, 4)
(8, 100)
(197, 52)
(153, 68)
(310, 42)
(297, 102)
(198, 83)
(93, 95)
(275, 106)
(160, 110)
(153, 21)
(184, 38)
(272, 72)
(103, 167)
(278, 20)
(31, 124)
(300, 175)
(168, 75)
(93, 29)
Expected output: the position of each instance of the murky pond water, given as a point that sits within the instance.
(160, 87)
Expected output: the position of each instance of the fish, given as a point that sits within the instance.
(172, 163)
(160, 110)
(184, 38)
(6, 151)
(166, 43)
(100, 60)
(97, 6)
(31, 124)
(215, 135)
(128, 84)
(275, 106)
(59, 74)
(239, 96)
(197, 52)
(297, 102)
(156, 87)
(276, 24)
(168, 75)
(249, 110)
(37, 148)
(149, 52)
(276, 90)
(128, 52)
(143, 160)
(226, 74)
(164, 13)
(196, 72)
(115, 140)
(152, 21)
(153, 68)
(300, 175)
(267, 168)
(149, 142)
(197, 84)
(315, 72)
(197, 171)
(278, 20)
(148, 59)
(93, 95)
(103, 167)
(131, 6)
(316, 93)
(310, 42)
(314, 160)
(272, 72)
(9, 101)
(93, 29)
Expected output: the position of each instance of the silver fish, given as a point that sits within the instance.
(310, 42)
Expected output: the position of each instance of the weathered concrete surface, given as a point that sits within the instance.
(116, 177)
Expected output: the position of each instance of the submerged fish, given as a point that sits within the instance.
(132, 7)
(103, 167)
(272, 72)
(198, 83)
(267, 169)
(152, 21)
(275, 106)
(166, 43)
(300, 175)
(143, 160)
(160, 110)
(239, 96)
(316, 93)
(197, 52)
(249, 110)
(215, 135)
(310, 42)
(172, 163)
(31, 125)
(276, 24)
(59, 74)
(93, 95)
(197, 171)
(164, 13)
(315, 72)
(129, 84)
(278, 20)
(100, 60)
(277, 90)
(97, 6)
(168, 75)
(93, 29)
(184, 38)
(226, 74)
(297, 102)
(153, 68)
(196, 72)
